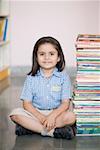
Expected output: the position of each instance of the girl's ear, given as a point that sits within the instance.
(58, 59)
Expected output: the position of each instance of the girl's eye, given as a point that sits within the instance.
(51, 54)
(41, 54)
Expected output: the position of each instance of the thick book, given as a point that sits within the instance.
(88, 131)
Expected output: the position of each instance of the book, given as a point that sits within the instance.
(5, 72)
(5, 30)
(88, 130)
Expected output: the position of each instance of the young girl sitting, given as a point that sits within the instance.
(46, 94)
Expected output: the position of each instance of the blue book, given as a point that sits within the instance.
(5, 30)
(88, 130)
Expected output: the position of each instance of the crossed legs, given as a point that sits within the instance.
(33, 124)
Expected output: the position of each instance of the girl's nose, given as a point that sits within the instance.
(46, 56)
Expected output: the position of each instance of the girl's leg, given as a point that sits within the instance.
(28, 123)
(66, 118)
(61, 130)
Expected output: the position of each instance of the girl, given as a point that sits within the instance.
(46, 94)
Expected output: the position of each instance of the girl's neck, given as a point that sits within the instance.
(48, 72)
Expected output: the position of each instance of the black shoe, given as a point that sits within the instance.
(66, 132)
(74, 127)
(19, 130)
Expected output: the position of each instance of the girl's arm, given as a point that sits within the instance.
(51, 118)
(30, 108)
(62, 108)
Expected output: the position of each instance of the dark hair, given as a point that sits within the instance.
(35, 66)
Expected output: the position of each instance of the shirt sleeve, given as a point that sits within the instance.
(66, 87)
(27, 89)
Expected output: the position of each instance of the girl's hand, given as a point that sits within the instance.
(42, 118)
(49, 122)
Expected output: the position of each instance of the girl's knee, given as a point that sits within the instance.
(73, 116)
(70, 117)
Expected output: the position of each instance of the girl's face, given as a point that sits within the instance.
(47, 56)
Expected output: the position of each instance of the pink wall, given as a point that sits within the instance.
(64, 20)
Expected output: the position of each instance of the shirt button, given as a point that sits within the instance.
(47, 97)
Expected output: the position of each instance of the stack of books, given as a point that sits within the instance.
(87, 85)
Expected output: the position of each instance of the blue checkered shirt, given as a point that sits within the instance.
(46, 93)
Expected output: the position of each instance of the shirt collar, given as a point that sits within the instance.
(55, 72)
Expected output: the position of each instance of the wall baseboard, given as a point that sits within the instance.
(20, 70)
(23, 70)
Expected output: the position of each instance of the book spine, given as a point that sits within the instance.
(5, 31)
